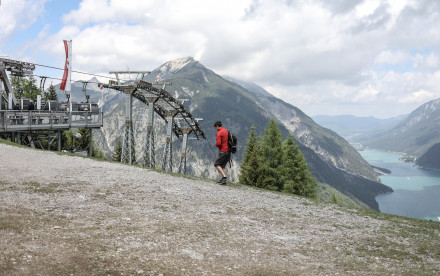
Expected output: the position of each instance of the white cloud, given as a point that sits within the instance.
(331, 57)
(17, 15)
(366, 95)
(420, 96)
(392, 57)
(426, 61)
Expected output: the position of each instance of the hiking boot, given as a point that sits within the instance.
(222, 181)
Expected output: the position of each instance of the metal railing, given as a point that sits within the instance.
(17, 120)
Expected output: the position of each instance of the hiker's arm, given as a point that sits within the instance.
(218, 141)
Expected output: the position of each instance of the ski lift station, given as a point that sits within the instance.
(26, 122)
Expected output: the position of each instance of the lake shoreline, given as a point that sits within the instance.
(416, 190)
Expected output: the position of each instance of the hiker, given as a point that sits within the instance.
(224, 154)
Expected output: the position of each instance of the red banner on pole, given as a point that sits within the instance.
(65, 82)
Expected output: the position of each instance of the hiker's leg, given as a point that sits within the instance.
(221, 170)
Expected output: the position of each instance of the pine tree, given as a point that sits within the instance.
(67, 140)
(84, 140)
(116, 154)
(30, 89)
(250, 171)
(251, 144)
(295, 172)
(26, 88)
(52, 95)
(271, 147)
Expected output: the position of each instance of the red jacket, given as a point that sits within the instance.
(222, 140)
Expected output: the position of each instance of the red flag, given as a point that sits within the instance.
(65, 82)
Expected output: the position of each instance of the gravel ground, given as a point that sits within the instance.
(68, 215)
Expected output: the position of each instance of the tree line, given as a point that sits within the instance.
(27, 88)
(274, 164)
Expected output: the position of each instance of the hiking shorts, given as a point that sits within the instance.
(222, 159)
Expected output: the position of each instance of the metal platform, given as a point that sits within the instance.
(22, 120)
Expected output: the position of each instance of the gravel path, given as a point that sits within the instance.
(63, 215)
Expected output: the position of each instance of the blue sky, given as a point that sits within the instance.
(366, 58)
(50, 17)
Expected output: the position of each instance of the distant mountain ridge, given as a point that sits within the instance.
(355, 128)
(76, 93)
(414, 135)
(239, 105)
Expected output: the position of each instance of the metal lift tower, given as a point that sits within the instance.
(171, 110)
(128, 142)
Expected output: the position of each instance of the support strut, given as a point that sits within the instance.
(128, 145)
(149, 146)
(167, 164)
(182, 162)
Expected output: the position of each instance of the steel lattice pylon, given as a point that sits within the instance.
(128, 144)
(167, 107)
(167, 163)
(149, 156)
(149, 147)
(128, 150)
(182, 162)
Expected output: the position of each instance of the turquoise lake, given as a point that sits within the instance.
(416, 191)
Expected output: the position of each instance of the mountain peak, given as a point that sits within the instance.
(176, 65)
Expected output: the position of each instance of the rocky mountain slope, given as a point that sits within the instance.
(414, 135)
(68, 215)
(240, 105)
(430, 159)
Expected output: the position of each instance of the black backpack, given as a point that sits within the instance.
(232, 142)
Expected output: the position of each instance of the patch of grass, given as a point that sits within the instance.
(11, 223)
(383, 249)
(36, 187)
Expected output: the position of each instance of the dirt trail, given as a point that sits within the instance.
(62, 215)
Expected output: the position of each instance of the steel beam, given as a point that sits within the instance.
(59, 139)
(167, 164)
(91, 143)
(182, 162)
(149, 147)
(17, 68)
(128, 145)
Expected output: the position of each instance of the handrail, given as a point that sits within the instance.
(24, 120)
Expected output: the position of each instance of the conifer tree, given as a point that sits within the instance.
(251, 144)
(84, 140)
(84, 143)
(250, 171)
(67, 140)
(295, 171)
(25, 88)
(52, 95)
(116, 154)
(30, 89)
(271, 147)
